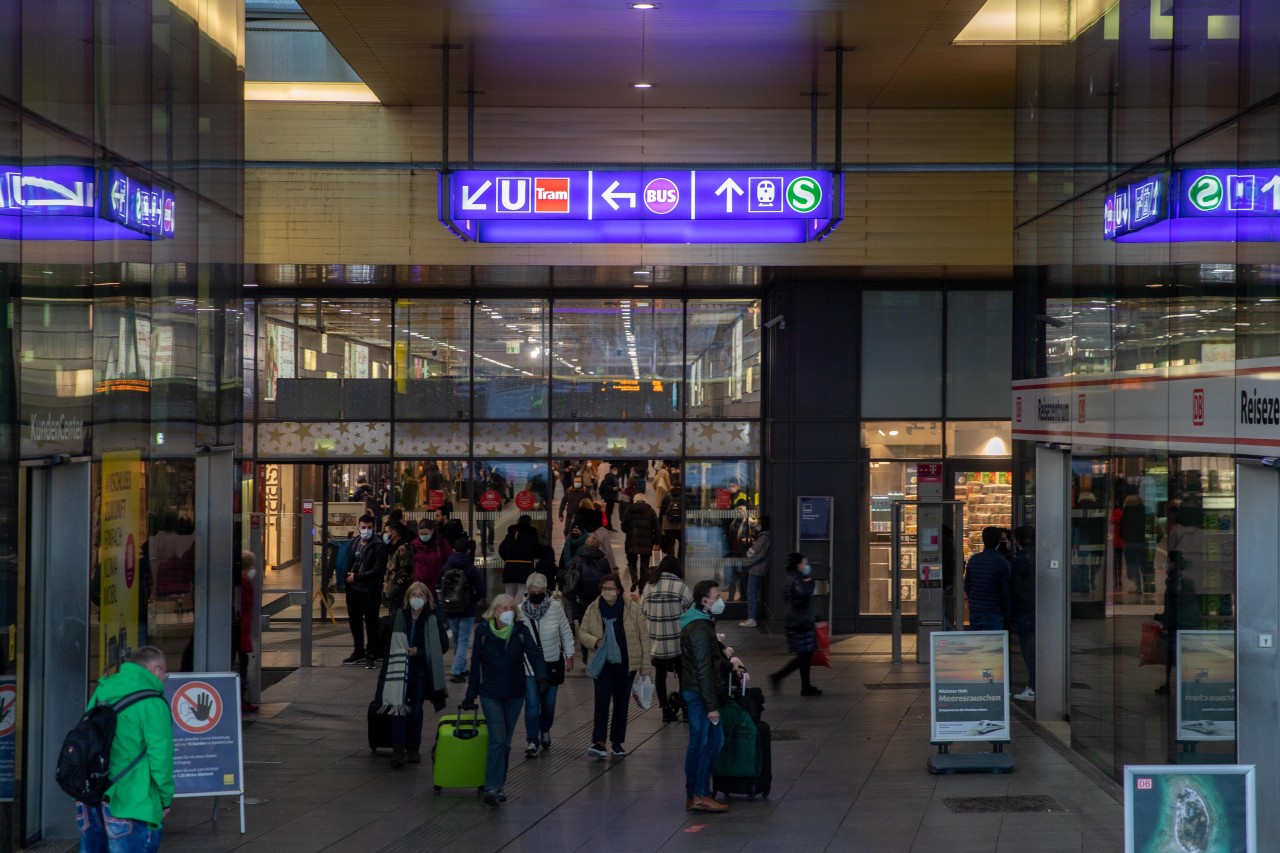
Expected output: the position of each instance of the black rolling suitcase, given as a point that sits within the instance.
(379, 727)
(752, 787)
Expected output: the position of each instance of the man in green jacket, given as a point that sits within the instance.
(129, 818)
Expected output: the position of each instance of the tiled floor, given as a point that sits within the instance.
(855, 780)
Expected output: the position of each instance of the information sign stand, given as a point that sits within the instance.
(208, 743)
(969, 700)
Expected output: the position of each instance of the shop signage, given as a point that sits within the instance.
(61, 203)
(1206, 681)
(435, 499)
(526, 500)
(120, 541)
(551, 205)
(969, 686)
(1190, 807)
(1211, 205)
(815, 518)
(138, 206)
(491, 501)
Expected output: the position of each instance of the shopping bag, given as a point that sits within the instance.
(822, 657)
(643, 691)
(1152, 650)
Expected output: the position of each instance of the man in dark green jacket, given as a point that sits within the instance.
(128, 821)
(705, 688)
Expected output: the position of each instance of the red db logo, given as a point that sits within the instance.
(1197, 407)
(1145, 784)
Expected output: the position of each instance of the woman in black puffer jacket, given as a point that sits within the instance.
(802, 634)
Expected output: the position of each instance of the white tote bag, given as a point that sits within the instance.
(643, 691)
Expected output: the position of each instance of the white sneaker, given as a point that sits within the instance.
(747, 623)
(1028, 695)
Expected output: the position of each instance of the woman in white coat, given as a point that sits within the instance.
(554, 635)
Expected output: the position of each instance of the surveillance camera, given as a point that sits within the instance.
(780, 321)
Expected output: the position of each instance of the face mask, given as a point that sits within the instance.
(537, 597)
(610, 596)
(251, 574)
(386, 537)
(366, 533)
(425, 537)
(577, 484)
(417, 603)
(717, 607)
(507, 618)
(806, 571)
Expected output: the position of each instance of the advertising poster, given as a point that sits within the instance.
(357, 361)
(279, 357)
(208, 754)
(162, 358)
(119, 549)
(1171, 808)
(969, 681)
(1206, 685)
(815, 518)
(8, 735)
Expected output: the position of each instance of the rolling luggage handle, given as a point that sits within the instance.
(467, 730)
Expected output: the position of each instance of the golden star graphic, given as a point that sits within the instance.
(534, 448)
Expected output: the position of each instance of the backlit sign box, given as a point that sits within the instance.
(78, 203)
(1197, 205)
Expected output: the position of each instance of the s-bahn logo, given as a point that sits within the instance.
(1205, 193)
(1197, 407)
(1081, 416)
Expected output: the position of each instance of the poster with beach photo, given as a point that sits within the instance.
(968, 676)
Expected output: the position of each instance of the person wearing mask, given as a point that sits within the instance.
(615, 629)
(461, 589)
(704, 685)
(502, 646)
(573, 499)
(141, 762)
(364, 592)
(589, 478)
(661, 483)
(573, 543)
(802, 635)
(1023, 604)
(431, 552)
(412, 671)
(609, 491)
(519, 551)
(592, 568)
(986, 584)
(737, 543)
(554, 635)
(664, 602)
(399, 572)
(757, 569)
(640, 525)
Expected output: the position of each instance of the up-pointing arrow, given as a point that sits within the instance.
(727, 189)
(609, 195)
(469, 199)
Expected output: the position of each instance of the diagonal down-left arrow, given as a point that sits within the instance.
(469, 200)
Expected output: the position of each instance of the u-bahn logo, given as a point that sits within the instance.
(1206, 193)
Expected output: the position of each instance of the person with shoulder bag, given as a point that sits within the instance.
(615, 629)
(553, 633)
(801, 625)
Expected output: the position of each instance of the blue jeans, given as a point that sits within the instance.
(982, 621)
(461, 628)
(705, 741)
(754, 582)
(407, 729)
(102, 833)
(539, 711)
(501, 716)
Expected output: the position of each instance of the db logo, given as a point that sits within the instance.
(1017, 409)
(1197, 407)
(1145, 785)
(1080, 409)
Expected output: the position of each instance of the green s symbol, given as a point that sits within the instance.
(1205, 193)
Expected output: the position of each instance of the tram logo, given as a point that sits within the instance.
(551, 195)
(1197, 407)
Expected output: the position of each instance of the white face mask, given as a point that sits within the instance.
(251, 574)
(417, 603)
(507, 618)
(717, 607)
(386, 537)
(366, 533)
(425, 537)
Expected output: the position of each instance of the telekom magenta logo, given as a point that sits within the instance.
(661, 195)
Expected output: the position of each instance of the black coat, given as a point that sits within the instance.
(519, 551)
(640, 524)
(802, 635)
(369, 565)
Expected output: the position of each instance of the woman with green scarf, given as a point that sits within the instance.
(503, 646)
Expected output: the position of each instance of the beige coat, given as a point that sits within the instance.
(635, 626)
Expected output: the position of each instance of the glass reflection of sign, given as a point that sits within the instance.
(1197, 205)
(63, 202)
(47, 191)
(661, 206)
(138, 206)
(1135, 207)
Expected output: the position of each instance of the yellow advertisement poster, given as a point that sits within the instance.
(119, 557)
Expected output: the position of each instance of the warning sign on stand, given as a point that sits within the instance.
(208, 748)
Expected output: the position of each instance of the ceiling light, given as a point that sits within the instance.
(893, 432)
(641, 272)
(644, 7)
(642, 85)
(642, 285)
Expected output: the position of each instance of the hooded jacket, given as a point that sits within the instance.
(145, 727)
(475, 579)
(519, 551)
(640, 523)
(703, 666)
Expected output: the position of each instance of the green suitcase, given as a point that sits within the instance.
(462, 746)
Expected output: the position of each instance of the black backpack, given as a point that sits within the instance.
(675, 510)
(455, 592)
(84, 763)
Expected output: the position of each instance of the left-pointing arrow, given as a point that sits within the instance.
(470, 201)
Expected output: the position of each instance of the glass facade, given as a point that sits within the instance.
(121, 139)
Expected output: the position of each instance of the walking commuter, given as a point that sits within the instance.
(588, 516)
(591, 568)
(500, 650)
(757, 569)
(462, 588)
(364, 592)
(572, 499)
(141, 762)
(802, 635)
(664, 602)
(602, 533)
(1023, 604)
(661, 484)
(737, 543)
(431, 552)
(671, 515)
(412, 671)
(519, 551)
(617, 633)
(705, 673)
(609, 491)
(643, 534)
(1133, 532)
(554, 635)
(986, 584)
(484, 518)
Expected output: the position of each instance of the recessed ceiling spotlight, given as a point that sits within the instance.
(644, 7)
(642, 85)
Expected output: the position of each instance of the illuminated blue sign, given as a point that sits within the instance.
(1135, 207)
(1203, 205)
(765, 205)
(78, 203)
(47, 191)
(137, 206)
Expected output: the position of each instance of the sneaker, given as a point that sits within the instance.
(776, 683)
(397, 757)
(532, 750)
(618, 751)
(747, 623)
(810, 691)
(670, 716)
(353, 659)
(490, 798)
(502, 796)
(1027, 695)
(370, 663)
(546, 741)
(458, 678)
(248, 707)
(415, 755)
(597, 751)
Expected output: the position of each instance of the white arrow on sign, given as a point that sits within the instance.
(609, 195)
(469, 200)
(727, 189)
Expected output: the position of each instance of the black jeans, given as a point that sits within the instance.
(643, 559)
(612, 685)
(362, 612)
(661, 667)
(801, 662)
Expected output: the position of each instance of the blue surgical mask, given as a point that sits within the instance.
(806, 571)
(386, 537)
(366, 533)
(425, 537)
(507, 617)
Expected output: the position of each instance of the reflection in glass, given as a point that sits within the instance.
(433, 359)
(511, 359)
(724, 358)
